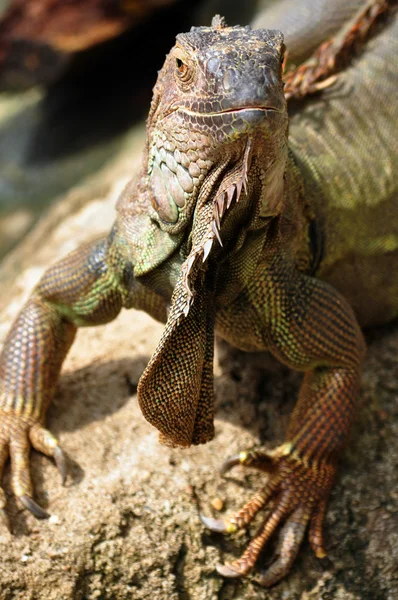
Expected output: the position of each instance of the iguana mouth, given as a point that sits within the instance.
(240, 109)
(261, 110)
(229, 124)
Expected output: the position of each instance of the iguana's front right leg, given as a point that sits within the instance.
(310, 327)
(88, 287)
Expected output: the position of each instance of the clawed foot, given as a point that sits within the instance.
(295, 497)
(17, 434)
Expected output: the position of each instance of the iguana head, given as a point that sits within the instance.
(219, 87)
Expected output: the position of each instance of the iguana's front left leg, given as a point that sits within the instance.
(87, 287)
(310, 327)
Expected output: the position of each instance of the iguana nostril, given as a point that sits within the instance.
(273, 77)
(260, 91)
(229, 80)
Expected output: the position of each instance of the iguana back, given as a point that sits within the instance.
(345, 143)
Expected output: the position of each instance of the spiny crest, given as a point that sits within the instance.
(199, 37)
(221, 203)
(224, 199)
(218, 22)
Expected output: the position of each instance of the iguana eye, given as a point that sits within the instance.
(182, 68)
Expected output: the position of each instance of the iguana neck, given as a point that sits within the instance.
(248, 190)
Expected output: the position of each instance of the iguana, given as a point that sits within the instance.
(275, 241)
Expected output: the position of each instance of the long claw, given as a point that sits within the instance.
(36, 510)
(252, 458)
(228, 571)
(232, 461)
(60, 461)
(217, 525)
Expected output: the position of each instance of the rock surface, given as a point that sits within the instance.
(126, 525)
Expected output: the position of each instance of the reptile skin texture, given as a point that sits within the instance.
(277, 232)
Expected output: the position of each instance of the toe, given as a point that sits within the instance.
(19, 453)
(290, 539)
(21, 480)
(315, 533)
(246, 562)
(43, 441)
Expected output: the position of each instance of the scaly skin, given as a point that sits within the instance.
(236, 230)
